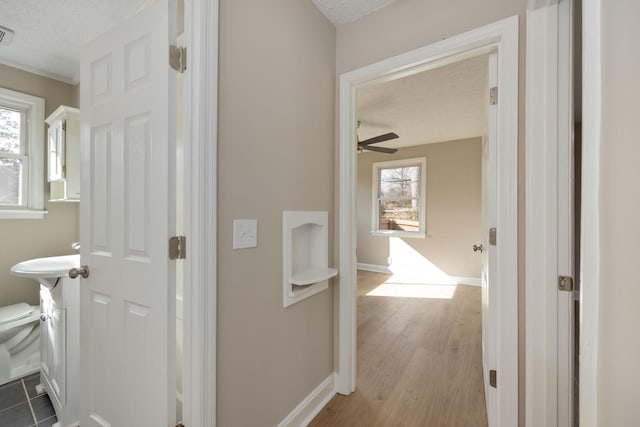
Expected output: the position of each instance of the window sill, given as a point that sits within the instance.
(21, 214)
(414, 234)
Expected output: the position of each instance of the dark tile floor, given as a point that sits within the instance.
(22, 406)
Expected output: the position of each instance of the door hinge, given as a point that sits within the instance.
(493, 95)
(64, 125)
(177, 247)
(493, 378)
(492, 236)
(565, 283)
(178, 58)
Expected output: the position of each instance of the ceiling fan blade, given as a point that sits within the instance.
(379, 138)
(380, 149)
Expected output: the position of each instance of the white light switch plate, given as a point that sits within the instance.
(245, 233)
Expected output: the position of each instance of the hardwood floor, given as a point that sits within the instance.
(419, 362)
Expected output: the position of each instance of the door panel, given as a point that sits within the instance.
(127, 216)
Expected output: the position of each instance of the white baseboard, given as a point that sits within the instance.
(302, 415)
(474, 281)
(374, 268)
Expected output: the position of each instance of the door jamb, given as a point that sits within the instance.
(502, 35)
(200, 219)
(549, 233)
(590, 238)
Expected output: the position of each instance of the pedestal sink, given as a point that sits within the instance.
(46, 271)
(59, 331)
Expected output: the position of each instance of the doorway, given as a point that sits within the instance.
(420, 218)
(501, 38)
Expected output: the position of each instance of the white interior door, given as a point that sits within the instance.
(489, 264)
(127, 215)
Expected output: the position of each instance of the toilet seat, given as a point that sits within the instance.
(14, 312)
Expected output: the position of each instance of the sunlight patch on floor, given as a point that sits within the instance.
(413, 290)
(410, 266)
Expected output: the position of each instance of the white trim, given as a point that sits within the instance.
(471, 281)
(311, 405)
(374, 268)
(590, 239)
(549, 219)
(541, 250)
(74, 81)
(200, 191)
(21, 214)
(460, 280)
(503, 36)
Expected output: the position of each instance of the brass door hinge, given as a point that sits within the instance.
(493, 95)
(565, 283)
(177, 247)
(492, 236)
(178, 58)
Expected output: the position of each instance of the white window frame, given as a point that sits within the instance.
(33, 185)
(375, 223)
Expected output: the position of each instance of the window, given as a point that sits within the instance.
(21, 155)
(399, 197)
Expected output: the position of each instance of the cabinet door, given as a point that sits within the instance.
(53, 348)
(56, 151)
(58, 340)
(45, 346)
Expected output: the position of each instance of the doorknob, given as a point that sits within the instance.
(82, 271)
(477, 248)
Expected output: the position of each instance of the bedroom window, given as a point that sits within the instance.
(21, 155)
(398, 197)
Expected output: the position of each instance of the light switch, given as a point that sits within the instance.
(245, 233)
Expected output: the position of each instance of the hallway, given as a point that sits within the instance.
(419, 359)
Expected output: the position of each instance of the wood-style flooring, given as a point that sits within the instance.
(419, 362)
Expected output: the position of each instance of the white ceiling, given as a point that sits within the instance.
(442, 104)
(344, 11)
(50, 33)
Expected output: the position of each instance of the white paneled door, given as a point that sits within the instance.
(127, 215)
(489, 260)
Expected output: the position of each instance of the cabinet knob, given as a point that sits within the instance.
(82, 271)
(43, 317)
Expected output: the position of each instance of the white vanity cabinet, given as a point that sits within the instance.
(63, 154)
(60, 347)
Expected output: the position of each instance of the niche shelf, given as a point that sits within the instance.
(305, 245)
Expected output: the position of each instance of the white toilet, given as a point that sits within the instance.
(19, 341)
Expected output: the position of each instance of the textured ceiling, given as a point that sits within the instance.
(442, 104)
(50, 33)
(343, 11)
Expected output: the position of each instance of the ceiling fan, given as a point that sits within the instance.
(367, 143)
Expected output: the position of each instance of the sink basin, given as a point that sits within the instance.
(46, 270)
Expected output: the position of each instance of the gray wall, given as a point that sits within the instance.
(276, 152)
(453, 207)
(24, 239)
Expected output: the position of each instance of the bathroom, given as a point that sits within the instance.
(49, 235)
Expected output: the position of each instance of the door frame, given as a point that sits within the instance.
(503, 37)
(590, 237)
(549, 223)
(200, 207)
